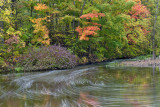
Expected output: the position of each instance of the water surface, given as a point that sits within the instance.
(87, 86)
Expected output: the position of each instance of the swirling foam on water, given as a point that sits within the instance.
(69, 88)
(54, 83)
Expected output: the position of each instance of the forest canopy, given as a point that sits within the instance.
(81, 31)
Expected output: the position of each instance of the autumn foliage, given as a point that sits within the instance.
(137, 1)
(138, 11)
(102, 29)
(92, 15)
(41, 32)
(83, 32)
(90, 30)
(40, 7)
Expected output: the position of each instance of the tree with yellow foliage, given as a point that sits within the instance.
(41, 32)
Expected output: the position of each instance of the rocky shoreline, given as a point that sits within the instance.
(142, 63)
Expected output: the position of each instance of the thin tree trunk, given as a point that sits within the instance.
(31, 11)
(74, 19)
(81, 15)
(56, 23)
(83, 7)
(154, 32)
(13, 6)
(2, 27)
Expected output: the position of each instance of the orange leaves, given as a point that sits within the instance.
(40, 7)
(95, 24)
(92, 28)
(40, 30)
(83, 37)
(86, 31)
(38, 20)
(138, 10)
(79, 30)
(92, 15)
(137, 29)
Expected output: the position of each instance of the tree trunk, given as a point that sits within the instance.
(154, 32)
(2, 27)
(14, 8)
(81, 15)
(74, 20)
(83, 7)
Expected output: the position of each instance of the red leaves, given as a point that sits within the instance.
(92, 15)
(12, 40)
(130, 38)
(138, 10)
(145, 31)
(95, 24)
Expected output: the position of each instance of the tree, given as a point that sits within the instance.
(41, 32)
(154, 31)
(89, 30)
(92, 28)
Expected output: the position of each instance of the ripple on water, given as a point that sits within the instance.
(83, 87)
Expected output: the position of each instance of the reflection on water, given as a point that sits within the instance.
(87, 99)
(89, 86)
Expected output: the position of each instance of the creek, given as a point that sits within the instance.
(84, 86)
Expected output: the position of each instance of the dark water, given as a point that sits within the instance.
(88, 86)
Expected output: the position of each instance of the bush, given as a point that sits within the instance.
(43, 58)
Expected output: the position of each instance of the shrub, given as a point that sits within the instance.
(43, 58)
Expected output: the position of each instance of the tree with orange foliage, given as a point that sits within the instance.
(139, 11)
(90, 30)
(41, 32)
(138, 14)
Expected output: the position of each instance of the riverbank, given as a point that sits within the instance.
(141, 63)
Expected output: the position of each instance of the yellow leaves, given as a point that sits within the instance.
(8, 1)
(23, 44)
(46, 42)
(40, 7)
(79, 0)
(7, 12)
(41, 31)
(43, 41)
(137, 1)
(1, 35)
(38, 20)
(5, 15)
(1, 2)
(125, 16)
(84, 37)
(45, 35)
